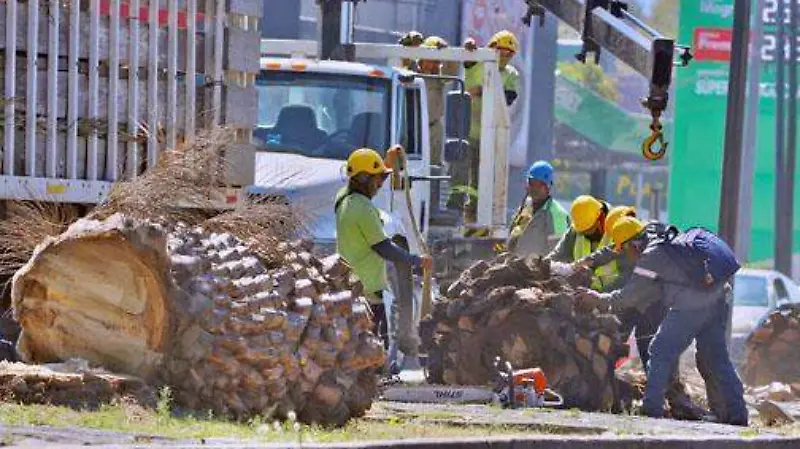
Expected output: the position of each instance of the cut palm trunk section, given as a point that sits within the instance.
(203, 312)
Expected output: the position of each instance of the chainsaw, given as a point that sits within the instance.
(510, 389)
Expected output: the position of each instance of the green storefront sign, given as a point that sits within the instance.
(699, 132)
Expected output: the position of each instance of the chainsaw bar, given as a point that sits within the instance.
(437, 394)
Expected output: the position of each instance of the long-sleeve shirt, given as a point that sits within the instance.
(607, 255)
(564, 250)
(657, 277)
(537, 232)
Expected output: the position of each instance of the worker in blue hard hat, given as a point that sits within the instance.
(540, 221)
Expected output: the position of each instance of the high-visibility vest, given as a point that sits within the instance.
(560, 217)
(603, 275)
(557, 213)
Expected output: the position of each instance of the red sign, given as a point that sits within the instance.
(712, 44)
(144, 14)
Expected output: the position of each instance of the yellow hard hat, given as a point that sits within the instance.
(616, 213)
(625, 229)
(504, 40)
(434, 42)
(584, 212)
(367, 161)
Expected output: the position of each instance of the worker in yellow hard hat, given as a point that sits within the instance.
(643, 323)
(506, 44)
(696, 313)
(586, 235)
(360, 238)
(436, 90)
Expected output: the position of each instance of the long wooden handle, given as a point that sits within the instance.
(427, 274)
(399, 161)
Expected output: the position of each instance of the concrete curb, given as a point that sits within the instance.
(538, 442)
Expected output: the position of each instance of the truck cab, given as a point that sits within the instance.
(313, 114)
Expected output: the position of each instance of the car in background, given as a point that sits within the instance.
(758, 292)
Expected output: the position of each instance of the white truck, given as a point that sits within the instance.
(313, 114)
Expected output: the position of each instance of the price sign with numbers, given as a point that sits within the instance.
(769, 19)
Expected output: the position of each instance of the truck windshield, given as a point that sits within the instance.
(321, 115)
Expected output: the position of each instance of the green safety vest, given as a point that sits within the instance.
(523, 219)
(603, 275)
(560, 217)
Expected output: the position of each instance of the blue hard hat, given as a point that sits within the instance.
(541, 171)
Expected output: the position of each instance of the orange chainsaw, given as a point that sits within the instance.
(511, 389)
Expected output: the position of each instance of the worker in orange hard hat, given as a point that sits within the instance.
(506, 44)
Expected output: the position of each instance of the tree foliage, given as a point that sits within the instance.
(664, 17)
(591, 76)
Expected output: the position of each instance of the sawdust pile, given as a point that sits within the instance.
(25, 225)
(513, 308)
(200, 311)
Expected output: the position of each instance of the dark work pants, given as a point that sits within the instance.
(380, 326)
(645, 324)
(705, 325)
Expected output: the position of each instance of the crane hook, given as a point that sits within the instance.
(656, 137)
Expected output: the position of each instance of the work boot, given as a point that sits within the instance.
(682, 408)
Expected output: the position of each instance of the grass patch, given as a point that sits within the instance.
(133, 419)
(749, 433)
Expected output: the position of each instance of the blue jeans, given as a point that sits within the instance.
(679, 328)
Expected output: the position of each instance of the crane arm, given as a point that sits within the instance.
(607, 24)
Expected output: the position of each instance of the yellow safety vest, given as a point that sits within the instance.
(603, 275)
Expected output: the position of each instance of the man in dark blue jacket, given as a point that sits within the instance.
(694, 314)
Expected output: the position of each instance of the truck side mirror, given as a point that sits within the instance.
(458, 115)
(455, 150)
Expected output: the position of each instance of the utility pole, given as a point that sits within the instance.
(753, 102)
(791, 138)
(734, 119)
(783, 253)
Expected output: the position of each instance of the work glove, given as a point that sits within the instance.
(587, 300)
(561, 269)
